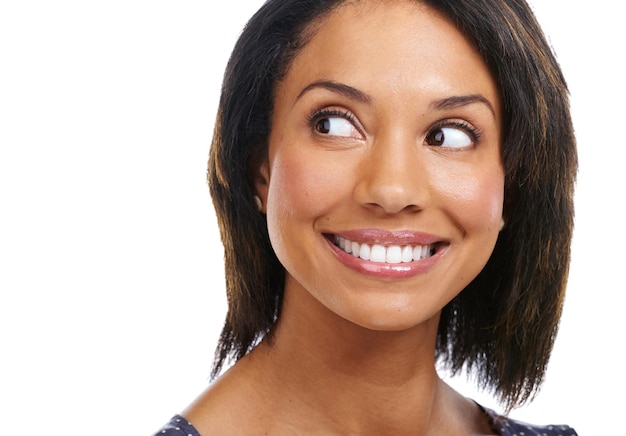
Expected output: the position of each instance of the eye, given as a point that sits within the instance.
(457, 136)
(335, 123)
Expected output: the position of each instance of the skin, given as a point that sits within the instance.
(353, 352)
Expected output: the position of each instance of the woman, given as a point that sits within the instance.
(393, 182)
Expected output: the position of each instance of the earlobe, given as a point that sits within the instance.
(261, 186)
(258, 203)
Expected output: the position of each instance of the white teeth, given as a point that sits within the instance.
(345, 245)
(365, 252)
(407, 253)
(394, 254)
(356, 248)
(380, 253)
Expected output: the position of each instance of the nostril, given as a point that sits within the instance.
(392, 185)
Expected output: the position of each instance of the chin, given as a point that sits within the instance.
(394, 321)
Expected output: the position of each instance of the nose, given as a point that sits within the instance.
(393, 177)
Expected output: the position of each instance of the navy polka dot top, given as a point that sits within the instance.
(501, 425)
(178, 426)
(504, 426)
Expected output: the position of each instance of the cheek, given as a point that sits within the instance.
(476, 198)
(303, 188)
(303, 184)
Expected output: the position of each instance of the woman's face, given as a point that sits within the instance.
(384, 185)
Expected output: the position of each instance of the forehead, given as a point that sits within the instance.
(401, 46)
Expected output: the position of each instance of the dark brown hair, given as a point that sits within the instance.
(502, 326)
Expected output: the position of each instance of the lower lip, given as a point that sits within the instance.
(386, 270)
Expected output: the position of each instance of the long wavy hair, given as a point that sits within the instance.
(502, 326)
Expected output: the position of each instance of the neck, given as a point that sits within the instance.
(351, 377)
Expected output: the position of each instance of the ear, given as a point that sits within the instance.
(510, 200)
(260, 180)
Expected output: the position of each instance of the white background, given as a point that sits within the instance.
(111, 283)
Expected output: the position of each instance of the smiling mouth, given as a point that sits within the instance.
(393, 254)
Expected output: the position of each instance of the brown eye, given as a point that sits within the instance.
(449, 137)
(323, 125)
(436, 137)
(336, 126)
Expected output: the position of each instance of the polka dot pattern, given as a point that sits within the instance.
(178, 426)
(504, 426)
(501, 425)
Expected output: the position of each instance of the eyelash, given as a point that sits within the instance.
(474, 133)
(318, 114)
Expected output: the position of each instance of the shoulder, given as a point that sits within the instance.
(217, 410)
(506, 426)
(177, 426)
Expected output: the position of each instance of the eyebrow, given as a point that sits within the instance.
(355, 94)
(462, 100)
(340, 88)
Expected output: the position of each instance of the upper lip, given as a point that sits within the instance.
(388, 237)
